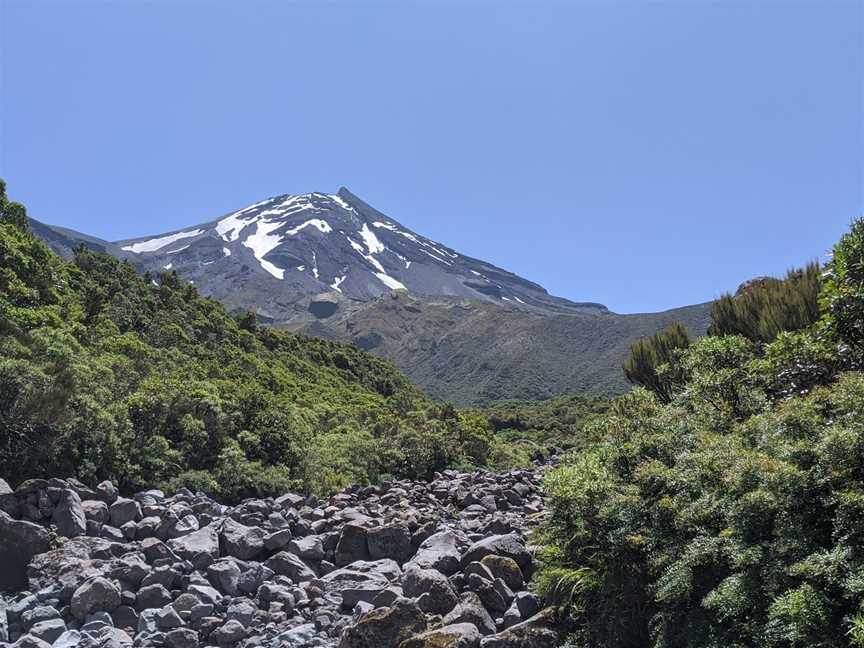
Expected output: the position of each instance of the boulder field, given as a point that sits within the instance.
(404, 564)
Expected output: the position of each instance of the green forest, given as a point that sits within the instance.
(109, 374)
(721, 501)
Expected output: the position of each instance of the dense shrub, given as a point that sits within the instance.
(728, 514)
(654, 363)
(672, 533)
(843, 297)
(764, 308)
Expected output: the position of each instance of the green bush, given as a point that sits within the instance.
(760, 311)
(843, 297)
(731, 514)
(675, 534)
(654, 362)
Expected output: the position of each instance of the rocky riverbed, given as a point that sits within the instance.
(439, 564)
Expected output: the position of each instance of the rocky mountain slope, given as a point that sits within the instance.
(328, 265)
(399, 565)
(473, 353)
(272, 256)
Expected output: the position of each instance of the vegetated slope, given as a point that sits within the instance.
(724, 507)
(326, 264)
(107, 373)
(473, 353)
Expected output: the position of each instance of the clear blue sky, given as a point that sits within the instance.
(644, 155)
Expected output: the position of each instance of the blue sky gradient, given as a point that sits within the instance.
(643, 155)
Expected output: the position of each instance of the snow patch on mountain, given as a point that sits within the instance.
(337, 281)
(262, 241)
(372, 243)
(437, 258)
(389, 281)
(425, 243)
(322, 226)
(229, 228)
(151, 245)
(338, 200)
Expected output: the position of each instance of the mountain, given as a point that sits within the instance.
(473, 353)
(332, 266)
(271, 257)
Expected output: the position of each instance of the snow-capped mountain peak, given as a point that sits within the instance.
(275, 255)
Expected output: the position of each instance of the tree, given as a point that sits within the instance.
(12, 212)
(763, 308)
(842, 299)
(654, 361)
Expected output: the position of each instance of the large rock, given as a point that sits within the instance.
(536, 632)
(69, 515)
(352, 544)
(506, 569)
(385, 627)
(204, 541)
(123, 511)
(95, 510)
(182, 638)
(49, 630)
(431, 587)
(96, 595)
(355, 585)
(151, 596)
(460, 635)
(308, 548)
(439, 551)
(229, 633)
(287, 564)
(508, 546)
(389, 541)
(131, 569)
(19, 542)
(67, 567)
(8, 501)
(225, 576)
(470, 609)
(241, 541)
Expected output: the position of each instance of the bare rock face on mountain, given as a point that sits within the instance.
(402, 565)
(271, 257)
(329, 265)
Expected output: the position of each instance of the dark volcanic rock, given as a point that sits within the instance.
(19, 542)
(292, 572)
(69, 515)
(385, 626)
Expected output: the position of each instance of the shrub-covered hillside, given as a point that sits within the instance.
(724, 504)
(105, 373)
